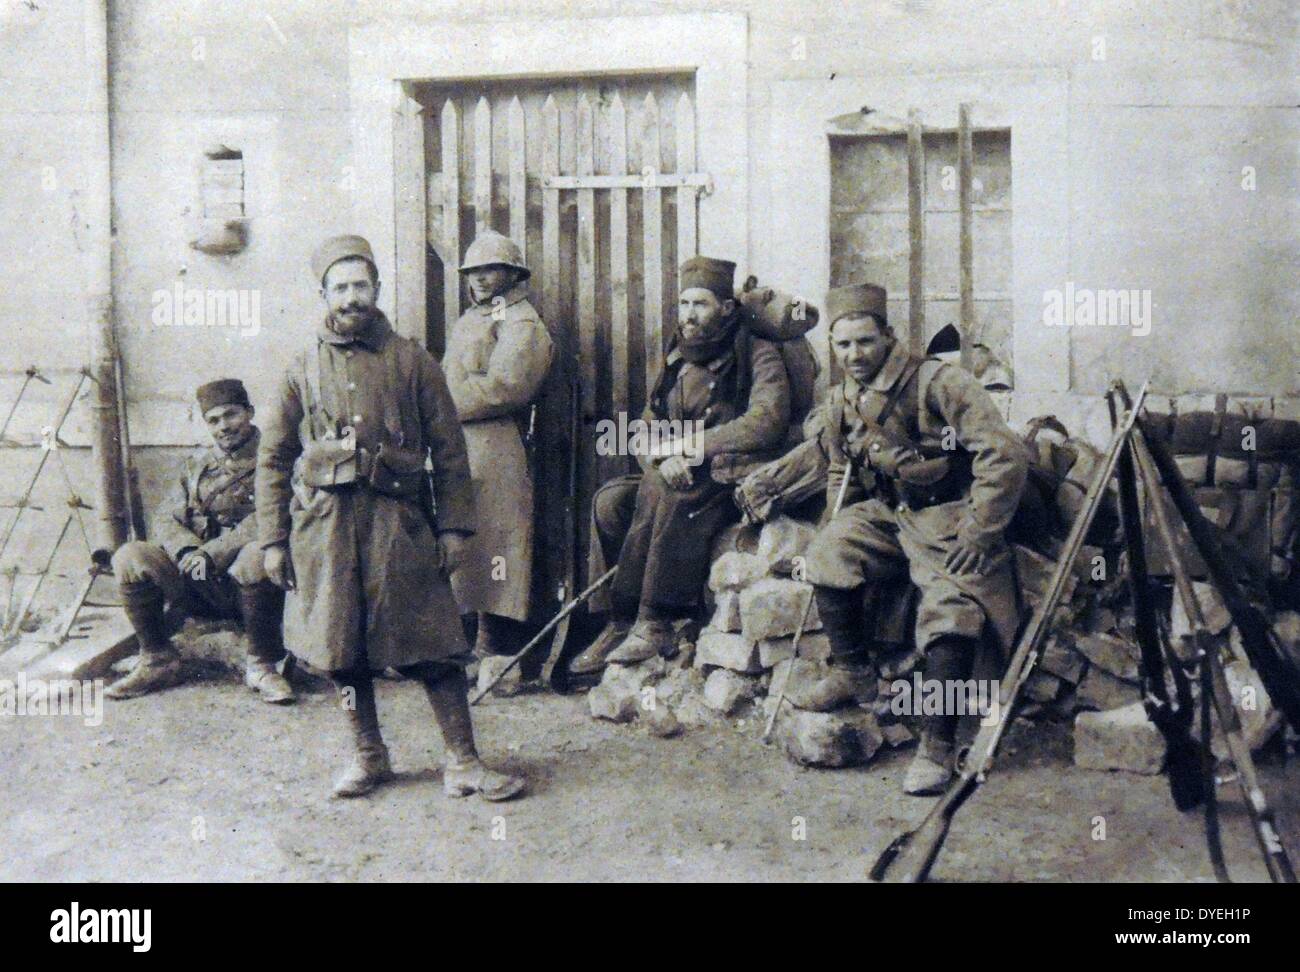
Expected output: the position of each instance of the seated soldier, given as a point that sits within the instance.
(207, 560)
(937, 476)
(659, 526)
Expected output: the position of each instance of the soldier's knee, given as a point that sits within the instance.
(137, 561)
(609, 508)
(250, 566)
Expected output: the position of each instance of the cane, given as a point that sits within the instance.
(564, 613)
(807, 609)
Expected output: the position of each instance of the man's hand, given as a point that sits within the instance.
(279, 567)
(677, 473)
(967, 558)
(197, 565)
(451, 551)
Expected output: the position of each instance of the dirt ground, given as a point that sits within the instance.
(205, 783)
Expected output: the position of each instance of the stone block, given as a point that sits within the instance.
(726, 650)
(1061, 660)
(734, 571)
(846, 737)
(1121, 739)
(813, 645)
(604, 703)
(782, 540)
(1114, 655)
(726, 614)
(726, 691)
(1101, 690)
(772, 607)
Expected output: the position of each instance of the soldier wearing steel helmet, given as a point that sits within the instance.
(498, 355)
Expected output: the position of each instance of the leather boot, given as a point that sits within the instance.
(159, 665)
(448, 693)
(595, 655)
(370, 765)
(648, 637)
(946, 659)
(843, 619)
(932, 766)
(843, 680)
(262, 606)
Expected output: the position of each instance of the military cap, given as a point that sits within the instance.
(856, 299)
(338, 248)
(223, 391)
(718, 276)
(491, 248)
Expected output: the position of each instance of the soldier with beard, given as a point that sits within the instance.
(355, 525)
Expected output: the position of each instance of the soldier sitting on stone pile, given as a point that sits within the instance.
(207, 560)
(659, 526)
(937, 476)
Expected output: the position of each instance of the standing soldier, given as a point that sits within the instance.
(346, 512)
(719, 377)
(207, 560)
(497, 358)
(937, 477)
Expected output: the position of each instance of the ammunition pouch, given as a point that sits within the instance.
(330, 463)
(931, 482)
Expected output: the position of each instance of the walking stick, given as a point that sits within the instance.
(807, 609)
(911, 855)
(564, 613)
(1261, 816)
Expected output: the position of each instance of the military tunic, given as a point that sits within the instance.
(370, 586)
(664, 535)
(498, 355)
(211, 509)
(883, 530)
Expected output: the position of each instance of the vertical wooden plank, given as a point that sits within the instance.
(916, 233)
(686, 195)
(451, 209)
(551, 221)
(411, 216)
(618, 269)
(966, 245)
(518, 177)
(652, 235)
(482, 166)
(585, 163)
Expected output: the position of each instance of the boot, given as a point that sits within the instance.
(262, 606)
(370, 765)
(648, 637)
(932, 766)
(595, 655)
(159, 665)
(842, 681)
(493, 637)
(369, 768)
(465, 773)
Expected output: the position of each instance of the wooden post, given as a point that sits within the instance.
(652, 236)
(686, 195)
(482, 166)
(916, 233)
(518, 177)
(451, 210)
(411, 216)
(965, 193)
(618, 269)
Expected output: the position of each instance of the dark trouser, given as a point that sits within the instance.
(149, 579)
(661, 539)
(448, 693)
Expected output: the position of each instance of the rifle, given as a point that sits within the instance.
(553, 674)
(915, 851)
(1279, 674)
(1215, 686)
(1185, 758)
(807, 608)
(562, 616)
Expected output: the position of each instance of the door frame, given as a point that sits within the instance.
(384, 54)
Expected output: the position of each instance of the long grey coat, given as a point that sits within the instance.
(370, 584)
(498, 354)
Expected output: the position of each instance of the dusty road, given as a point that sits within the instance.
(205, 783)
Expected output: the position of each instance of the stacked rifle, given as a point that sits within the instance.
(1138, 457)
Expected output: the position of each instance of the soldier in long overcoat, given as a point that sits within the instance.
(364, 505)
(498, 355)
(936, 476)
